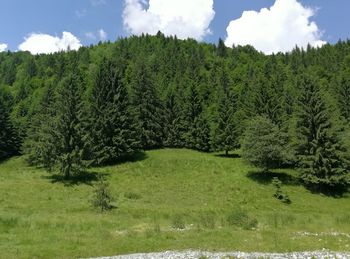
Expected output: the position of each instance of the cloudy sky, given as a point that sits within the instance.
(45, 26)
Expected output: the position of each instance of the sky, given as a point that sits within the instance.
(46, 26)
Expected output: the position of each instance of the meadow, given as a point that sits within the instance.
(169, 199)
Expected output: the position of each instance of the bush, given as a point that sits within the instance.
(279, 194)
(102, 199)
(178, 222)
(240, 218)
(263, 144)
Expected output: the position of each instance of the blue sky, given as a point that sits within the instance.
(85, 18)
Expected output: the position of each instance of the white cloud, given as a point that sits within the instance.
(102, 34)
(280, 28)
(38, 43)
(183, 18)
(3, 47)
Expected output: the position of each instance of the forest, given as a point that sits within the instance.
(104, 104)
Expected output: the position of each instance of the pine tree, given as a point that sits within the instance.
(197, 133)
(114, 130)
(321, 157)
(343, 94)
(225, 136)
(8, 137)
(148, 107)
(266, 100)
(173, 128)
(39, 145)
(69, 135)
(221, 49)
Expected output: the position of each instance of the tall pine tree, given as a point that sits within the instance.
(173, 128)
(197, 135)
(69, 134)
(321, 156)
(114, 131)
(8, 137)
(39, 145)
(148, 107)
(225, 135)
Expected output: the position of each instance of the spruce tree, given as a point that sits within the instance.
(322, 158)
(8, 137)
(173, 127)
(197, 135)
(225, 135)
(39, 145)
(114, 130)
(343, 94)
(148, 107)
(69, 134)
(221, 49)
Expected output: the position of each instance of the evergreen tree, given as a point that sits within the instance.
(197, 135)
(39, 144)
(343, 94)
(322, 158)
(114, 130)
(69, 135)
(225, 136)
(8, 137)
(221, 49)
(148, 107)
(266, 100)
(173, 128)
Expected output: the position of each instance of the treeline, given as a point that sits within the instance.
(102, 104)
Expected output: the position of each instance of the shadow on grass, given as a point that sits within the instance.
(228, 155)
(140, 156)
(87, 178)
(335, 192)
(264, 177)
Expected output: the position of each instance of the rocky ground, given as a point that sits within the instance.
(202, 255)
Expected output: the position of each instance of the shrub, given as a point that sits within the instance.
(240, 218)
(279, 194)
(263, 144)
(178, 222)
(102, 199)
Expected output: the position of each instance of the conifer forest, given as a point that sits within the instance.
(152, 143)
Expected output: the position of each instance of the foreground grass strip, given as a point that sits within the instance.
(169, 200)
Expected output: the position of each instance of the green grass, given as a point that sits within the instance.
(170, 200)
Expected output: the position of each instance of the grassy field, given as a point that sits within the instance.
(167, 200)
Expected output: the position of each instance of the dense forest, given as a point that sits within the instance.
(102, 104)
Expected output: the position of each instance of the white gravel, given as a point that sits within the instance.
(198, 254)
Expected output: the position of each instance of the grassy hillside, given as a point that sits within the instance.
(167, 199)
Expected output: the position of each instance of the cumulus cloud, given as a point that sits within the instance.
(280, 28)
(183, 18)
(3, 47)
(38, 43)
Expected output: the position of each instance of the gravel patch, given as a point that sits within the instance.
(198, 254)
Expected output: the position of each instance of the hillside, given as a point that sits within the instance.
(165, 199)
